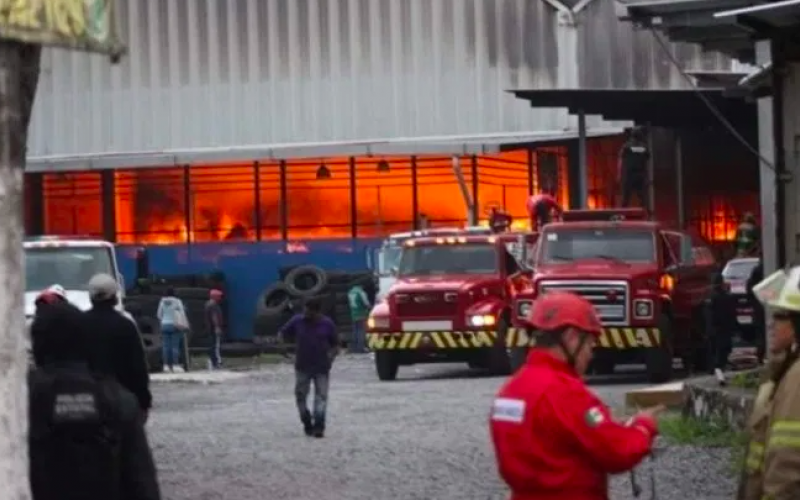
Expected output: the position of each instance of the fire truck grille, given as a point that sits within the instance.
(425, 305)
(610, 298)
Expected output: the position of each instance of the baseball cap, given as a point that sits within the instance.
(102, 286)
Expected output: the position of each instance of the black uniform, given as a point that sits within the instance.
(759, 320)
(117, 350)
(634, 156)
(86, 434)
(720, 310)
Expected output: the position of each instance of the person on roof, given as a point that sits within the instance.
(553, 438)
(499, 221)
(632, 168)
(747, 236)
(771, 468)
(541, 208)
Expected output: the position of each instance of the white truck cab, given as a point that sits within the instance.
(70, 262)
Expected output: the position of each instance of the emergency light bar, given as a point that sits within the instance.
(604, 214)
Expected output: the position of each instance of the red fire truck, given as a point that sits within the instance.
(647, 282)
(451, 302)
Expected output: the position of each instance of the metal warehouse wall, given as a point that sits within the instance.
(206, 73)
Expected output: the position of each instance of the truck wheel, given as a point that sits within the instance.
(518, 357)
(385, 365)
(603, 366)
(659, 359)
(499, 360)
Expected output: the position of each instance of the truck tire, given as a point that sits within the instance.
(386, 365)
(518, 356)
(659, 359)
(306, 281)
(499, 359)
(273, 300)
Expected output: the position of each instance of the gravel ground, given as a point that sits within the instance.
(423, 437)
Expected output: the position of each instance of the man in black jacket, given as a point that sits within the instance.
(86, 435)
(759, 320)
(117, 347)
(720, 312)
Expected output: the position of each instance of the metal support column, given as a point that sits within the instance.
(188, 206)
(284, 207)
(679, 181)
(651, 172)
(414, 195)
(530, 171)
(257, 198)
(353, 199)
(583, 168)
(108, 197)
(475, 187)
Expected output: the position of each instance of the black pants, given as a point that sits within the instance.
(635, 185)
(720, 345)
(542, 215)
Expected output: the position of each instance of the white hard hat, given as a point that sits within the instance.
(102, 286)
(780, 290)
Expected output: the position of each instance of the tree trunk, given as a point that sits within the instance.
(19, 74)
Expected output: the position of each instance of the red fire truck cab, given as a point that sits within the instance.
(648, 283)
(451, 302)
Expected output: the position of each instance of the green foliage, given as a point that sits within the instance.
(678, 429)
(746, 380)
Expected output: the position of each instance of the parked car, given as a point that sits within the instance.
(735, 274)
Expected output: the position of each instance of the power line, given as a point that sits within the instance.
(710, 105)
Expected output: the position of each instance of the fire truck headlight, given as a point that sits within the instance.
(524, 308)
(643, 308)
(377, 323)
(482, 320)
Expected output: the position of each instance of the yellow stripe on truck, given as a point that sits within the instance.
(612, 338)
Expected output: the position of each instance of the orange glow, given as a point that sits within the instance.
(73, 204)
(667, 282)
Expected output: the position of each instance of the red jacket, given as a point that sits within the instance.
(554, 439)
(543, 198)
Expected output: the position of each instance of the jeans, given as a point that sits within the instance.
(359, 342)
(214, 356)
(302, 387)
(171, 348)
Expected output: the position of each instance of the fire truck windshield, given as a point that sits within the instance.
(388, 259)
(624, 245)
(437, 260)
(68, 266)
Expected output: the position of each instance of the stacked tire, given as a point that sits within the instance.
(282, 299)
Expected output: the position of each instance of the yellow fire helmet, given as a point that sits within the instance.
(780, 290)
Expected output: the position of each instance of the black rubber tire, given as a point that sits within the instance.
(499, 359)
(517, 356)
(659, 360)
(386, 366)
(306, 281)
(148, 325)
(273, 300)
(478, 364)
(603, 366)
(267, 325)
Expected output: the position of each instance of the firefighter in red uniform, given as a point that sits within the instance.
(554, 439)
(541, 207)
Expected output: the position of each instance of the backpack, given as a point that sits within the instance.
(75, 440)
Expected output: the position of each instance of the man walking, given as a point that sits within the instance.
(316, 347)
(214, 328)
(632, 166)
(359, 310)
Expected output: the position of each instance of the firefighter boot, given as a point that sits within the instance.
(308, 426)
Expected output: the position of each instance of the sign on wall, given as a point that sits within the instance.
(76, 24)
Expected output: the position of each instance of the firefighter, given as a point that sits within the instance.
(541, 208)
(499, 221)
(553, 438)
(747, 236)
(632, 167)
(772, 463)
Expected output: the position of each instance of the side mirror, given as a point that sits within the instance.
(672, 268)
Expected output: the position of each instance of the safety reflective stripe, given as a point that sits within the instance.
(755, 457)
(784, 434)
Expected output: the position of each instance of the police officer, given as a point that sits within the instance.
(632, 166)
(117, 346)
(541, 207)
(553, 438)
(771, 470)
(86, 435)
(747, 236)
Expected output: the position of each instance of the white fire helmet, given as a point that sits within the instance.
(780, 290)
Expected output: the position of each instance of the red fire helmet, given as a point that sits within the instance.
(557, 310)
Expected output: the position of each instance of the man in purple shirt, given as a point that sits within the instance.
(316, 346)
